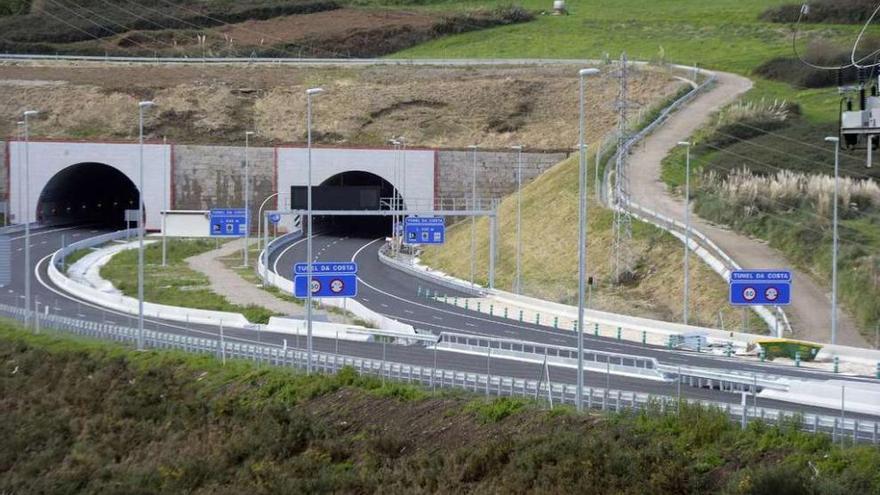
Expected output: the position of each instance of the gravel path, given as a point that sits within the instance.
(232, 286)
(810, 312)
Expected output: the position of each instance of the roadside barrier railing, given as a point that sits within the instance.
(841, 429)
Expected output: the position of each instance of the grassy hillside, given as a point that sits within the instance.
(85, 417)
(549, 229)
(748, 37)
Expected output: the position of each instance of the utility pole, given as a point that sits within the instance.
(622, 218)
(27, 218)
(247, 195)
(473, 218)
(309, 261)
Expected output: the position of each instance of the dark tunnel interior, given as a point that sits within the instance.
(358, 226)
(87, 193)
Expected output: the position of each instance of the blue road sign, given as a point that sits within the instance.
(329, 279)
(424, 230)
(274, 217)
(228, 222)
(760, 287)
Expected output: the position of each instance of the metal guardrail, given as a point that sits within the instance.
(662, 221)
(840, 429)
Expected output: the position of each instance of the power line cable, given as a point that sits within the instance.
(99, 16)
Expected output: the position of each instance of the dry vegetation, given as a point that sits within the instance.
(431, 106)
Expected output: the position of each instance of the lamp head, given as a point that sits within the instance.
(832, 139)
(248, 133)
(684, 143)
(588, 72)
(314, 91)
(517, 147)
(30, 113)
(146, 104)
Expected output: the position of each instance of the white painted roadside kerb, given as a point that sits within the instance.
(88, 285)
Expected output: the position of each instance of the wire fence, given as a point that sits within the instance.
(841, 429)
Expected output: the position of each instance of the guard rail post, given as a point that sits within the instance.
(797, 359)
(596, 329)
(836, 364)
(644, 337)
(619, 330)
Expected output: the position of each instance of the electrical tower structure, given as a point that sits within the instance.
(622, 252)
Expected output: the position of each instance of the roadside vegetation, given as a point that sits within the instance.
(550, 258)
(175, 284)
(87, 417)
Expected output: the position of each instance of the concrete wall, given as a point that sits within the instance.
(206, 177)
(50, 158)
(496, 171)
(417, 190)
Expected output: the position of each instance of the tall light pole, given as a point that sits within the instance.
(473, 148)
(20, 125)
(836, 142)
(247, 195)
(142, 107)
(582, 237)
(518, 280)
(27, 218)
(395, 144)
(309, 93)
(687, 226)
(165, 172)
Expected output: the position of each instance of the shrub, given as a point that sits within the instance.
(823, 11)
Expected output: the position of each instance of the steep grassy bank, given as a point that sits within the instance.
(85, 417)
(549, 229)
(175, 284)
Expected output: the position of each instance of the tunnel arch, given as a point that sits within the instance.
(88, 192)
(363, 226)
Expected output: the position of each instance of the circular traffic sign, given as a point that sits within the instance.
(274, 217)
(337, 286)
(749, 293)
(771, 293)
(316, 286)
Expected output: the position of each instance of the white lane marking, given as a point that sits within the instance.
(119, 313)
(407, 311)
(470, 324)
(383, 305)
(44, 232)
(437, 317)
(283, 252)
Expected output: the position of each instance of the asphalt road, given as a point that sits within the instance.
(380, 287)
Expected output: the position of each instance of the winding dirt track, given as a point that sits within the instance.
(810, 312)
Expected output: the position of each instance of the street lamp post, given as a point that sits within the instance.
(582, 236)
(834, 248)
(687, 227)
(164, 200)
(473, 148)
(247, 195)
(518, 281)
(309, 93)
(27, 218)
(142, 107)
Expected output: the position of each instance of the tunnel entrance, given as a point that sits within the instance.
(87, 193)
(353, 190)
